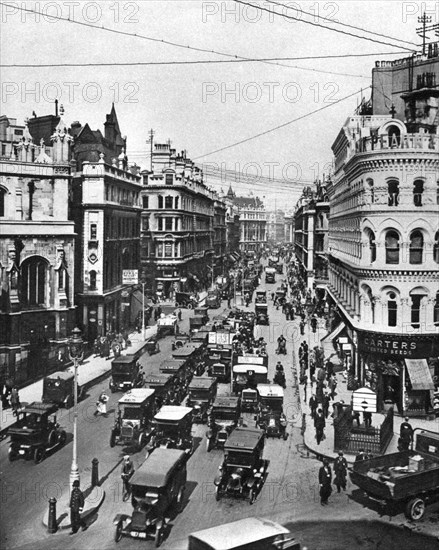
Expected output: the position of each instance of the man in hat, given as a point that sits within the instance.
(340, 471)
(405, 434)
(325, 479)
(76, 508)
(127, 472)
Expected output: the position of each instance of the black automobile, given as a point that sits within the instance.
(223, 419)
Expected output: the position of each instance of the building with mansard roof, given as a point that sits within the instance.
(37, 243)
(384, 238)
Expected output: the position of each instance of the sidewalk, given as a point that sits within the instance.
(326, 447)
(90, 371)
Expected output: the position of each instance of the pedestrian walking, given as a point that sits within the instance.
(325, 480)
(15, 400)
(325, 404)
(101, 404)
(179, 314)
(405, 434)
(340, 471)
(302, 327)
(319, 424)
(77, 503)
(313, 405)
(332, 386)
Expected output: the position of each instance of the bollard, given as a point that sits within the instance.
(94, 472)
(52, 526)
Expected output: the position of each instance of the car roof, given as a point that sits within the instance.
(40, 408)
(185, 351)
(161, 378)
(244, 439)
(172, 412)
(270, 390)
(136, 395)
(202, 382)
(225, 401)
(239, 533)
(64, 375)
(171, 364)
(257, 369)
(156, 469)
(124, 359)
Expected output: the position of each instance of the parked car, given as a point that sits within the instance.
(157, 486)
(36, 432)
(249, 533)
(172, 429)
(271, 417)
(202, 393)
(243, 471)
(59, 389)
(125, 373)
(133, 425)
(223, 419)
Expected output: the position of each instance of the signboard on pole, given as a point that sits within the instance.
(364, 400)
(130, 277)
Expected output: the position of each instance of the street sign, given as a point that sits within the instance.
(364, 400)
(130, 277)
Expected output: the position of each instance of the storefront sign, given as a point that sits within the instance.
(394, 344)
(130, 276)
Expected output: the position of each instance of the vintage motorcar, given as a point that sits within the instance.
(261, 311)
(126, 373)
(166, 325)
(152, 346)
(180, 340)
(243, 471)
(261, 297)
(59, 389)
(203, 311)
(196, 323)
(178, 370)
(249, 399)
(281, 295)
(185, 299)
(200, 336)
(220, 371)
(164, 386)
(213, 299)
(250, 533)
(271, 417)
(202, 392)
(35, 433)
(223, 419)
(191, 354)
(133, 421)
(172, 429)
(270, 275)
(249, 374)
(157, 486)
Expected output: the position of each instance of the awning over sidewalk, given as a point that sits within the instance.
(419, 373)
(332, 335)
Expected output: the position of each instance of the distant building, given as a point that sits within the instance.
(275, 226)
(37, 244)
(253, 224)
(289, 227)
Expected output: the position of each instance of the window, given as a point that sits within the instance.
(176, 203)
(436, 310)
(160, 250)
(371, 190)
(93, 232)
(169, 179)
(416, 310)
(392, 247)
(34, 279)
(372, 246)
(145, 224)
(160, 201)
(168, 224)
(393, 190)
(416, 246)
(418, 189)
(168, 202)
(2, 202)
(93, 280)
(61, 279)
(392, 310)
(145, 201)
(160, 224)
(436, 248)
(3, 149)
(168, 250)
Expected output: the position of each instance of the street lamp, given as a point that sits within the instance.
(76, 354)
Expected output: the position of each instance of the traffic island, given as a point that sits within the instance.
(94, 497)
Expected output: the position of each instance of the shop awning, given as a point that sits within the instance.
(332, 335)
(420, 375)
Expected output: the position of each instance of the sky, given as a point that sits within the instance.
(207, 108)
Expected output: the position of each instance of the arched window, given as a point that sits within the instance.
(393, 191)
(160, 201)
(176, 203)
(416, 296)
(416, 246)
(418, 189)
(370, 189)
(436, 248)
(372, 246)
(33, 282)
(92, 280)
(392, 309)
(392, 247)
(2, 202)
(168, 202)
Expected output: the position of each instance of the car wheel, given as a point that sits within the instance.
(118, 532)
(141, 441)
(52, 439)
(189, 305)
(158, 535)
(62, 438)
(38, 455)
(252, 496)
(415, 509)
(218, 494)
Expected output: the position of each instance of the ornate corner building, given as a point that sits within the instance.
(384, 235)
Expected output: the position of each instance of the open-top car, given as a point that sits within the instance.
(271, 417)
(223, 419)
(172, 429)
(59, 389)
(243, 471)
(202, 392)
(36, 432)
(157, 486)
(133, 422)
(125, 373)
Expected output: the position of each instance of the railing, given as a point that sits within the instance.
(351, 439)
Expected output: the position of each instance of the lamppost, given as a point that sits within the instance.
(76, 354)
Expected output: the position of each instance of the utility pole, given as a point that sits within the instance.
(422, 31)
(143, 312)
(150, 140)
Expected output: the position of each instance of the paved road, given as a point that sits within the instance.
(289, 496)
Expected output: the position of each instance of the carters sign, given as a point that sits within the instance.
(394, 344)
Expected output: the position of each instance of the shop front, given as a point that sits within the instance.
(400, 369)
